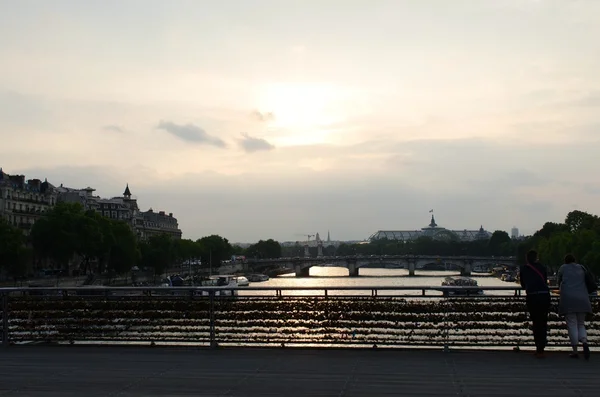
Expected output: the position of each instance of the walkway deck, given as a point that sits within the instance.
(143, 371)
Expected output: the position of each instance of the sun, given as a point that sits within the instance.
(302, 111)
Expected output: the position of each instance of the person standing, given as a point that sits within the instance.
(574, 302)
(534, 278)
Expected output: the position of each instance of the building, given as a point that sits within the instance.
(434, 231)
(23, 202)
(514, 232)
(85, 197)
(155, 223)
(144, 224)
(124, 208)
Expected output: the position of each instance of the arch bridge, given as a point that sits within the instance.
(301, 266)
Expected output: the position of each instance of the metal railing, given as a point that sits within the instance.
(277, 316)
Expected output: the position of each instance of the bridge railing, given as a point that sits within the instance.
(288, 316)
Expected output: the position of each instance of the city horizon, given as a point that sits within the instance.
(299, 238)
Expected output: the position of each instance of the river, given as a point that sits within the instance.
(371, 277)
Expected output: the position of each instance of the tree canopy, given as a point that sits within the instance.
(264, 249)
(578, 235)
(67, 230)
(14, 255)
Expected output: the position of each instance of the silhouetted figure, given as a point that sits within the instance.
(574, 302)
(534, 279)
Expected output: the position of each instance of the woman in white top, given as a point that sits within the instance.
(574, 303)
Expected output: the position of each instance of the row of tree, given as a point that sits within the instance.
(579, 235)
(75, 241)
(69, 238)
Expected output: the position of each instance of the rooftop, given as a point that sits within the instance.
(432, 230)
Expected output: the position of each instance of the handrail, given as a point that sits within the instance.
(100, 313)
(272, 288)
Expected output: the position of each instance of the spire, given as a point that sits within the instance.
(432, 224)
(328, 237)
(127, 193)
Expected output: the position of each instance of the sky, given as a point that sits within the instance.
(276, 119)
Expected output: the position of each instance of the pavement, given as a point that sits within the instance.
(178, 371)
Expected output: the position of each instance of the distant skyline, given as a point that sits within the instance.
(269, 119)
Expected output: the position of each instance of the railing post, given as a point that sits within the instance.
(213, 342)
(5, 319)
(446, 300)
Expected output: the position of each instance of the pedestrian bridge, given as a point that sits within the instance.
(301, 266)
(183, 371)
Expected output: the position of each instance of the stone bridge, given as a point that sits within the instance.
(301, 266)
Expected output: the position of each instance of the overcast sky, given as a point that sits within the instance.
(276, 118)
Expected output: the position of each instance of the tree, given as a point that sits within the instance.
(124, 253)
(67, 230)
(89, 238)
(216, 249)
(265, 249)
(14, 256)
(500, 243)
(55, 235)
(592, 258)
(185, 249)
(551, 228)
(158, 253)
(579, 220)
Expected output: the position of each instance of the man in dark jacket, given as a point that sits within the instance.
(534, 279)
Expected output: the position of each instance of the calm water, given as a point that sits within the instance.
(338, 276)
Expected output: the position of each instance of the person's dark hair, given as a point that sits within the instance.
(569, 258)
(532, 256)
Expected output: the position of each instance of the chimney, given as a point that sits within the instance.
(170, 214)
(35, 183)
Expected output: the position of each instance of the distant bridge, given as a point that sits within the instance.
(301, 266)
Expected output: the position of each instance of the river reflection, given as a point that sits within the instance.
(331, 277)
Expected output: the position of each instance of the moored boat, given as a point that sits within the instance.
(222, 281)
(465, 286)
(256, 278)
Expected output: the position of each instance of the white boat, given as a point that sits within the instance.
(222, 282)
(242, 281)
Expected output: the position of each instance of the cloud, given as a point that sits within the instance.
(251, 144)
(590, 100)
(593, 189)
(262, 117)
(20, 110)
(191, 133)
(469, 182)
(113, 128)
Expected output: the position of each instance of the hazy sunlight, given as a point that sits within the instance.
(300, 110)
